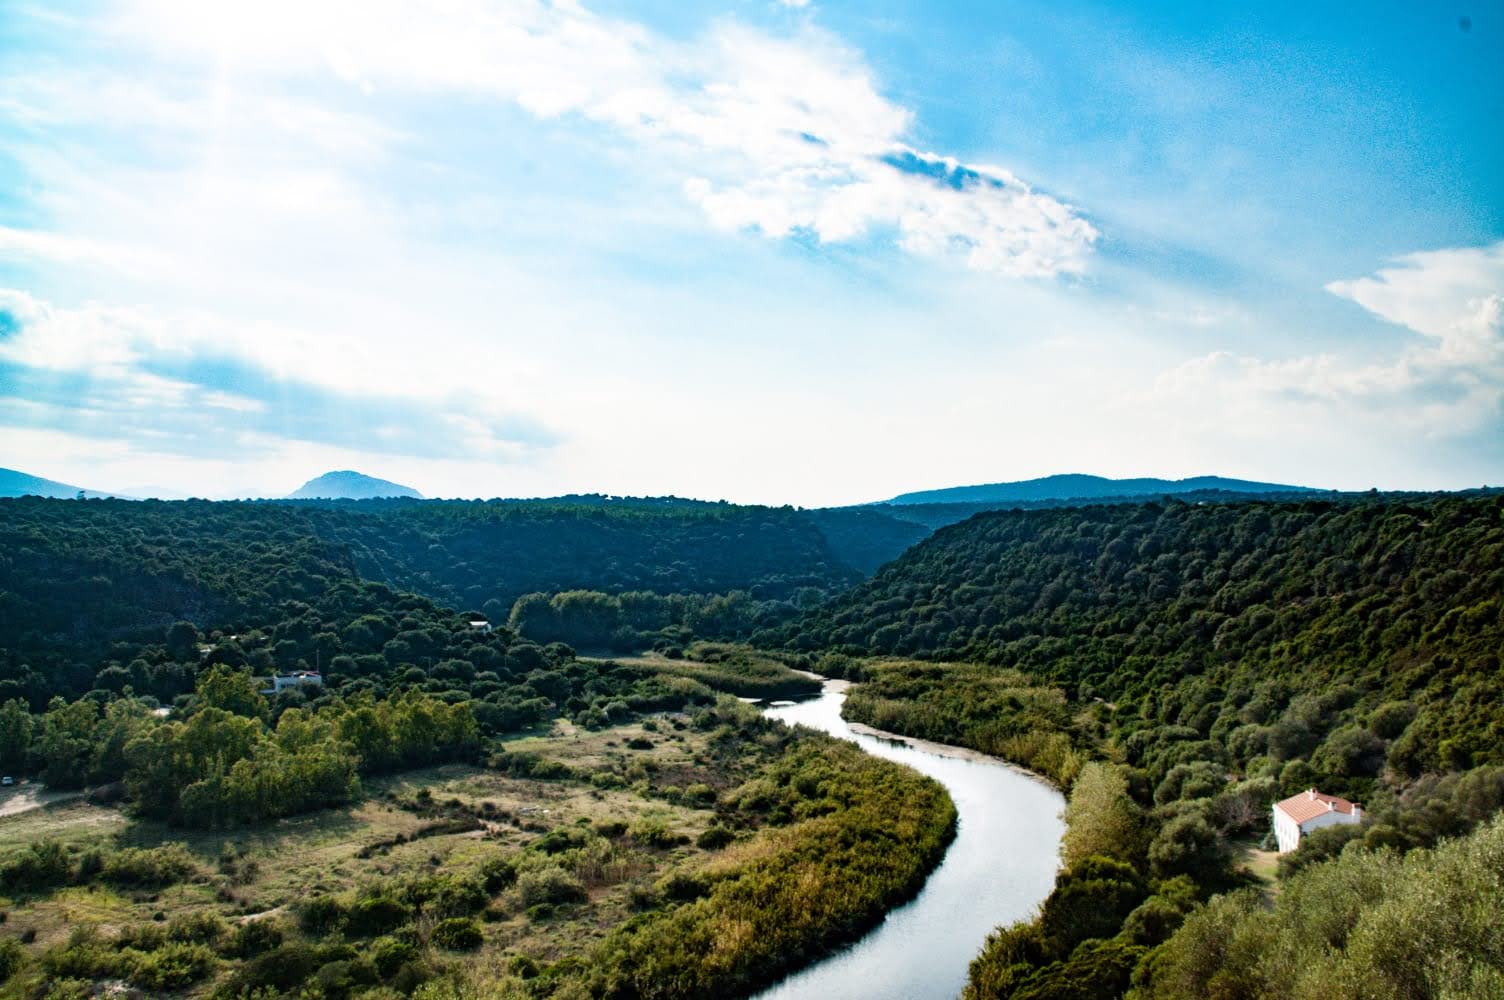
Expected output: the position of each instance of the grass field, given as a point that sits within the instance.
(620, 780)
(734, 669)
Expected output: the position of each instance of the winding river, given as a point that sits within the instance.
(999, 867)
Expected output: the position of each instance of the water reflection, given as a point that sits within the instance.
(1000, 866)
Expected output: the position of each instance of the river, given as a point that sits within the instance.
(1000, 866)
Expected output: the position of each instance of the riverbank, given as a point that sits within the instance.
(1001, 864)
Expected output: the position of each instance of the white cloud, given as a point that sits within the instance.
(1452, 383)
(774, 134)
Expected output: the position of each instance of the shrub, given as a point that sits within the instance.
(320, 915)
(376, 914)
(197, 928)
(43, 865)
(549, 885)
(449, 895)
(497, 874)
(254, 937)
(172, 966)
(458, 934)
(148, 868)
(389, 954)
(283, 968)
(654, 833)
(714, 838)
(12, 957)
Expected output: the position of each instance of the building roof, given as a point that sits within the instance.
(1309, 804)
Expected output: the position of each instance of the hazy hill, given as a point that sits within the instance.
(347, 485)
(21, 484)
(1083, 487)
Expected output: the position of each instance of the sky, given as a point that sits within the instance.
(769, 251)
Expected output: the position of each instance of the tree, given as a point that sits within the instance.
(182, 642)
(1188, 845)
(231, 690)
(66, 742)
(534, 617)
(1101, 818)
(16, 727)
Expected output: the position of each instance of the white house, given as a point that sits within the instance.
(281, 682)
(1310, 810)
(480, 625)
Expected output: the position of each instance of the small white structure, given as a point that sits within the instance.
(281, 682)
(1310, 810)
(480, 625)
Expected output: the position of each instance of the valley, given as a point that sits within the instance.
(574, 796)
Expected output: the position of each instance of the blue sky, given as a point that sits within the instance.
(766, 251)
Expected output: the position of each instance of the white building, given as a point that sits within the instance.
(480, 625)
(1310, 810)
(281, 682)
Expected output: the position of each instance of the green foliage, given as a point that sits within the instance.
(1101, 819)
(458, 934)
(550, 885)
(1000, 712)
(864, 834)
(12, 958)
(1362, 924)
(78, 577)
(1322, 625)
(1228, 654)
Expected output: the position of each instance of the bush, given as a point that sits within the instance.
(12, 957)
(376, 914)
(320, 915)
(197, 928)
(172, 966)
(43, 865)
(284, 968)
(148, 868)
(714, 838)
(254, 937)
(389, 954)
(458, 934)
(548, 886)
(654, 833)
(450, 895)
(497, 874)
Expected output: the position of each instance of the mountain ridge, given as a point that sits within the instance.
(15, 483)
(346, 484)
(1082, 486)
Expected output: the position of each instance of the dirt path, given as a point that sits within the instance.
(24, 798)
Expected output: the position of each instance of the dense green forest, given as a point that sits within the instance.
(1178, 667)
(77, 577)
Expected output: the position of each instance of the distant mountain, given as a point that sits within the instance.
(1081, 487)
(21, 484)
(347, 485)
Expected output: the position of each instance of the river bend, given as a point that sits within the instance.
(1000, 866)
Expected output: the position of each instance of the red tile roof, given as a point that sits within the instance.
(1311, 803)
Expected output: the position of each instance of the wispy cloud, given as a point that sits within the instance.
(1450, 383)
(774, 134)
(116, 374)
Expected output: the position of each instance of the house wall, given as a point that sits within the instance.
(1288, 834)
(1285, 831)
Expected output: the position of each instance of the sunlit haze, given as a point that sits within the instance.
(807, 253)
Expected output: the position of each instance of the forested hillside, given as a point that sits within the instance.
(1180, 667)
(75, 577)
(1218, 618)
